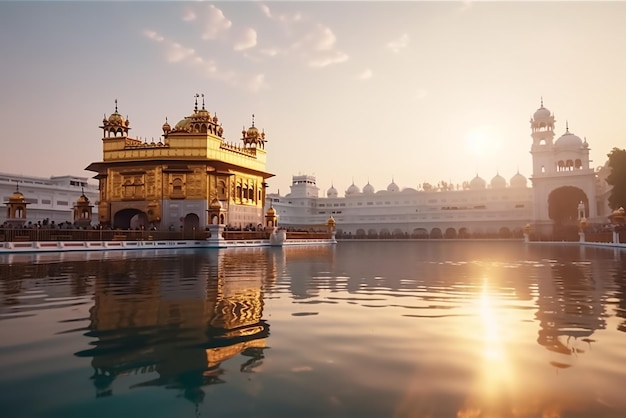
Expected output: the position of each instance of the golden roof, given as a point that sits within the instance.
(17, 197)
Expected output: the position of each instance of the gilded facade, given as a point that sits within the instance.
(170, 184)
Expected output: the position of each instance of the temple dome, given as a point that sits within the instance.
(542, 113)
(215, 204)
(117, 120)
(518, 180)
(498, 182)
(82, 199)
(17, 197)
(568, 140)
(353, 189)
(393, 187)
(477, 183)
(368, 188)
(166, 126)
(183, 125)
(252, 132)
(332, 192)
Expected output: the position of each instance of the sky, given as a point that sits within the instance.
(348, 91)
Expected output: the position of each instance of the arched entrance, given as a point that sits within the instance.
(130, 219)
(191, 225)
(421, 233)
(563, 210)
(435, 233)
(450, 233)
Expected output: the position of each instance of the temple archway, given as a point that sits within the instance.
(420, 233)
(435, 233)
(450, 233)
(563, 210)
(563, 205)
(130, 219)
(191, 225)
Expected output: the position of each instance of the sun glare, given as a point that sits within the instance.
(481, 142)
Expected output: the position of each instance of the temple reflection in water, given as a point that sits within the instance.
(181, 325)
(512, 318)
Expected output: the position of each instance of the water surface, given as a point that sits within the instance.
(360, 329)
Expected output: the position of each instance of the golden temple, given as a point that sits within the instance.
(173, 183)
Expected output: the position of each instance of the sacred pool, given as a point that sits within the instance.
(406, 329)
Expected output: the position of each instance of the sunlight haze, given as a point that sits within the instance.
(346, 91)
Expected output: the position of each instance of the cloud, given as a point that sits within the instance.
(153, 35)
(176, 53)
(246, 39)
(215, 23)
(325, 60)
(189, 15)
(318, 47)
(398, 44)
(285, 17)
(365, 75)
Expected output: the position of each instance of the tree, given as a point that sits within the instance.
(617, 178)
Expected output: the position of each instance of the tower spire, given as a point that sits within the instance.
(195, 108)
(567, 126)
(203, 101)
(541, 101)
(115, 105)
(253, 120)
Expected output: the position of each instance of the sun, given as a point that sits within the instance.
(481, 142)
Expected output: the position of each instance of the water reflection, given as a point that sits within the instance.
(178, 317)
(570, 309)
(360, 329)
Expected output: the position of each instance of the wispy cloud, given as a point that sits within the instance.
(399, 44)
(176, 53)
(215, 23)
(284, 17)
(365, 75)
(246, 39)
(318, 47)
(189, 15)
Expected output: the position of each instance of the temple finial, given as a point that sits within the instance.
(203, 101)
(253, 120)
(541, 101)
(567, 126)
(195, 108)
(115, 105)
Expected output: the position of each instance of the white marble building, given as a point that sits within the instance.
(52, 198)
(561, 173)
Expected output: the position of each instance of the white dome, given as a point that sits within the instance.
(568, 140)
(332, 192)
(477, 183)
(368, 188)
(541, 113)
(393, 187)
(353, 189)
(498, 182)
(518, 180)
